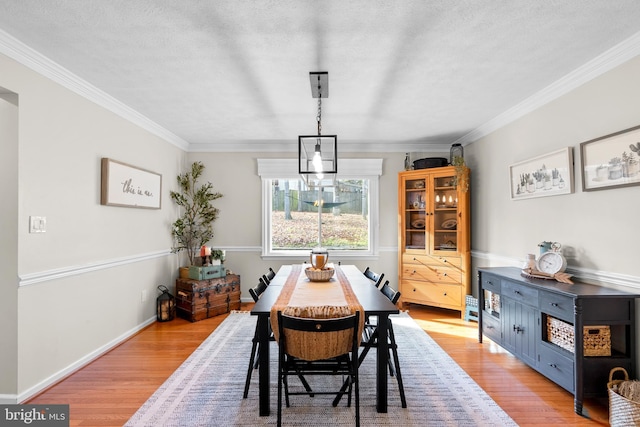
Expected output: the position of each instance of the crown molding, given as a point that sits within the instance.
(20, 52)
(617, 55)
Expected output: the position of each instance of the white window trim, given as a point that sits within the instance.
(370, 169)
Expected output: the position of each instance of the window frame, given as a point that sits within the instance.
(370, 169)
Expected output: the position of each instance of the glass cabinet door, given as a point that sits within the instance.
(415, 216)
(444, 202)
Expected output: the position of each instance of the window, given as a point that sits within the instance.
(341, 216)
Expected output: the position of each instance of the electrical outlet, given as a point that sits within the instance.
(143, 296)
(37, 224)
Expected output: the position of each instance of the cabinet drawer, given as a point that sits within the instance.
(559, 306)
(491, 328)
(432, 293)
(557, 367)
(491, 283)
(431, 274)
(431, 260)
(520, 293)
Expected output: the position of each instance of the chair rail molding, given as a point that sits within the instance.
(597, 277)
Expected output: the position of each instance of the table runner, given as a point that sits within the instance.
(318, 300)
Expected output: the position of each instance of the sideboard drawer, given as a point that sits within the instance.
(560, 306)
(491, 283)
(557, 367)
(491, 328)
(520, 293)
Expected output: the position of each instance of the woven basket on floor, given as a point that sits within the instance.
(622, 411)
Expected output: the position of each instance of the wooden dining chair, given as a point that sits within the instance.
(370, 337)
(318, 347)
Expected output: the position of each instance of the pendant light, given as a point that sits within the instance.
(318, 154)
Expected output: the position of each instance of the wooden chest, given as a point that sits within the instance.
(200, 299)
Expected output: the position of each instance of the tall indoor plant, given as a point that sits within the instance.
(194, 228)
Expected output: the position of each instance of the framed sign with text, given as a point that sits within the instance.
(129, 186)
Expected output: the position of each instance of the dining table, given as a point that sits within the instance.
(373, 303)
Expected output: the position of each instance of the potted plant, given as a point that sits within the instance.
(194, 227)
(629, 165)
(462, 177)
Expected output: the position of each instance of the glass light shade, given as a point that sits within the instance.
(318, 154)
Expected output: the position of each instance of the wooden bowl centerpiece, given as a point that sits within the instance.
(319, 275)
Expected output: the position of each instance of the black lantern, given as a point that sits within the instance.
(166, 305)
(456, 153)
(318, 154)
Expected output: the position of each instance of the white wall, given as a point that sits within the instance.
(9, 245)
(239, 226)
(599, 229)
(81, 282)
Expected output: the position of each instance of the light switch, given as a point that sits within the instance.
(37, 224)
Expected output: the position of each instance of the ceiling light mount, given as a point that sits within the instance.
(319, 84)
(318, 154)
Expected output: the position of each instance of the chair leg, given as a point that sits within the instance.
(394, 349)
(280, 379)
(252, 360)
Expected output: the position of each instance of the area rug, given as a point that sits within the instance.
(206, 390)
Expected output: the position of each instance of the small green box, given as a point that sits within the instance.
(206, 272)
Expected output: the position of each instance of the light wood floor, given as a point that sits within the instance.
(109, 390)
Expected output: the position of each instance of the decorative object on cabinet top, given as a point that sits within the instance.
(430, 162)
(550, 265)
(194, 227)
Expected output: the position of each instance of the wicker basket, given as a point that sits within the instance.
(622, 411)
(319, 275)
(560, 333)
(597, 341)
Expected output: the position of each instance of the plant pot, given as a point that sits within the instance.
(184, 272)
(615, 172)
(630, 169)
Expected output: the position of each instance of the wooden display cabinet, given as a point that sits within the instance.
(433, 237)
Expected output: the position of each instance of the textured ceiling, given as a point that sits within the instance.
(401, 73)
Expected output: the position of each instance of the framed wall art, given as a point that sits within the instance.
(547, 175)
(129, 186)
(611, 161)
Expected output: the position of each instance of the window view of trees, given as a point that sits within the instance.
(334, 217)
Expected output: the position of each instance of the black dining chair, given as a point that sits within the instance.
(370, 337)
(269, 276)
(255, 293)
(376, 280)
(334, 352)
(373, 276)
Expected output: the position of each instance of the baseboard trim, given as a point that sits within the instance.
(80, 363)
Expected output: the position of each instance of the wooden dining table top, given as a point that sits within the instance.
(372, 300)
